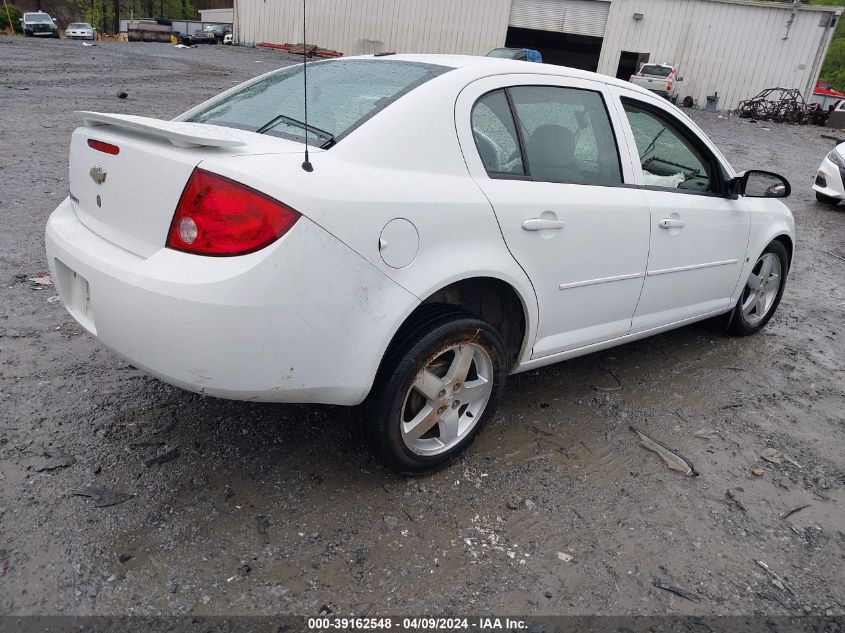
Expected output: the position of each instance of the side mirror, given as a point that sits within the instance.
(761, 184)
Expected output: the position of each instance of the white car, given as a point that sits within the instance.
(227, 39)
(830, 179)
(79, 31)
(459, 219)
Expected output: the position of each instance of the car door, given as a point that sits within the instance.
(699, 232)
(544, 152)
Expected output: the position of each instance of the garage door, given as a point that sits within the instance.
(580, 17)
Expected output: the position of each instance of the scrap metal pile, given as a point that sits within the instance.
(780, 105)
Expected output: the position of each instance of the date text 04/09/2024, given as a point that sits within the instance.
(417, 624)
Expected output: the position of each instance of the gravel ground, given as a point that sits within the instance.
(274, 509)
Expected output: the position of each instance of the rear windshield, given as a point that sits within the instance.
(657, 71)
(37, 17)
(342, 94)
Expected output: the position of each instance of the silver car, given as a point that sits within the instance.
(80, 31)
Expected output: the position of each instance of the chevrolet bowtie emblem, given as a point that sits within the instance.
(98, 174)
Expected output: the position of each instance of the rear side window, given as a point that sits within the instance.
(342, 94)
(567, 135)
(495, 135)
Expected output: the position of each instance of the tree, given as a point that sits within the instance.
(833, 69)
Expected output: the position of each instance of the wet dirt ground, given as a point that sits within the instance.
(273, 509)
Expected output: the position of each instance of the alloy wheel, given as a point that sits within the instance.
(761, 289)
(447, 398)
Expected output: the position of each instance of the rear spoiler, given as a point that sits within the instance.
(179, 133)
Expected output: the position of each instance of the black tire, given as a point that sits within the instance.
(826, 199)
(435, 327)
(739, 325)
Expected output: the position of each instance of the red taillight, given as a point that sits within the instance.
(218, 216)
(102, 146)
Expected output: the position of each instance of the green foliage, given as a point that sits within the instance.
(833, 69)
(4, 20)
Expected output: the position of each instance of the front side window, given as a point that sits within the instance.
(495, 135)
(668, 159)
(342, 94)
(567, 135)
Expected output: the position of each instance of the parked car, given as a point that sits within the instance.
(661, 79)
(228, 39)
(522, 54)
(459, 219)
(39, 24)
(80, 31)
(830, 179)
(211, 34)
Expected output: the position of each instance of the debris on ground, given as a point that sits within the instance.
(167, 455)
(706, 434)
(659, 584)
(792, 511)
(310, 50)
(40, 280)
(122, 94)
(54, 299)
(566, 558)
(833, 255)
(777, 580)
(731, 495)
(774, 456)
(780, 105)
(228, 492)
(758, 472)
(618, 385)
(56, 458)
(103, 497)
(673, 459)
(262, 524)
(124, 558)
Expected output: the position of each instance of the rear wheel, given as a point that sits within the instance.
(762, 292)
(437, 388)
(826, 199)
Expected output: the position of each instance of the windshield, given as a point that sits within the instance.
(342, 94)
(79, 25)
(657, 71)
(37, 17)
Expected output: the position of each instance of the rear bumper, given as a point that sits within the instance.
(829, 180)
(305, 320)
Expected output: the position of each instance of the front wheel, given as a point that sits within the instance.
(826, 199)
(762, 292)
(438, 386)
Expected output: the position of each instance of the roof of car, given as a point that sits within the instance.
(483, 66)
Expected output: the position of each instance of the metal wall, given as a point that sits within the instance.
(734, 48)
(356, 27)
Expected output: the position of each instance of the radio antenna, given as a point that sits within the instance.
(306, 164)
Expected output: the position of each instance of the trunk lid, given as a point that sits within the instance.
(129, 198)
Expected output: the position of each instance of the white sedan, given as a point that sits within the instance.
(460, 219)
(79, 31)
(830, 179)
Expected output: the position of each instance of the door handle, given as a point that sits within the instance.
(542, 224)
(671, 223)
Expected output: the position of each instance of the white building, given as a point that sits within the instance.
(733, 48)
(217, 16)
